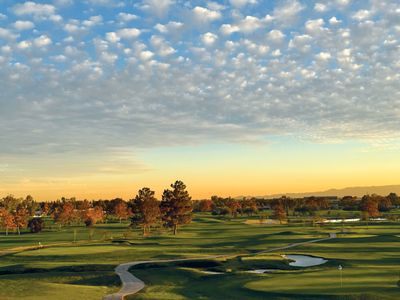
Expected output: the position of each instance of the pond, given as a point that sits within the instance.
(304, 260)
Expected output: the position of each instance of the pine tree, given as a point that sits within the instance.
(146, 209)
(176, 206)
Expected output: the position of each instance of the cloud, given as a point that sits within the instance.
(124, 33)
(109, 3)
(209, 38)
(32, 8)
(158, 8)
(334, 21)
(146, 55)
(42, 41)
(204, 15)
(63, 2)
(323, 56)
(7, 34)
(362, 15)
(23, 25)
(241, 3)
(247, 25)
(95, 82)
(287, 12)
(215, 6)
(112, 37)
(93, 21)
(315, 26)
(250, 24)
(170, 27)
(343, 3)
(108, 57)
(24, 45)
(320, 7)
(126, 17)
(276, 36)
(228, 29)
(128, 33)
(301, 43)
(162, 47)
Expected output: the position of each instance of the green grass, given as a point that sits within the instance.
(84, 270)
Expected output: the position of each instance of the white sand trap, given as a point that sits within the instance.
(211, 273)
(304, 260)
(341, 220)
(260, 271)
(264, 222)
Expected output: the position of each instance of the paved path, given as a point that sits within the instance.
(131, 284)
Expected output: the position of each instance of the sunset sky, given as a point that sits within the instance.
(99, 98)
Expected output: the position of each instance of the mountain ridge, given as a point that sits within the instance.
(358, 191)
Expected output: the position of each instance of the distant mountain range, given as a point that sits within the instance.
(349, 191)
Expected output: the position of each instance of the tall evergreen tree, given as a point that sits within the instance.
(176, 206)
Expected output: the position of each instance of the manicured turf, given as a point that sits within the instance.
(84, 270)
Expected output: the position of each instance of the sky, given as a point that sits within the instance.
(99, 98)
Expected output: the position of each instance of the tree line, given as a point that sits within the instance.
(368, 205)
(144, 210)
(175, 209)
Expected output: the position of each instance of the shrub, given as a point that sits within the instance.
(36, 225)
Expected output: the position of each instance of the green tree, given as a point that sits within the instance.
(146, 210)
(10, 203)
(394, 199)
(30, 205)
(176, 206)
(36, 225)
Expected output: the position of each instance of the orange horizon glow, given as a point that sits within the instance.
(224, 170)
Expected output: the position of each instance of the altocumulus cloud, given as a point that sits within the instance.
(122, 75)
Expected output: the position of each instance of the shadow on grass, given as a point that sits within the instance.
(21, 269)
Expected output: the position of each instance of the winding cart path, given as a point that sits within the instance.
(131, 284)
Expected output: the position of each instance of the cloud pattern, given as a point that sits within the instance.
(86, 76)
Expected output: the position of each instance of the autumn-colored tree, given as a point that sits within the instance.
(248, 206)
(176, 206)
(233, 206)
(121, 211)
(146, 210)
(20, 218)
(225, 206)
(279, 213)
(93, 215)
(6, 220)
(45, 207)
(205, 205)
(369, 205)
(65, 214)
